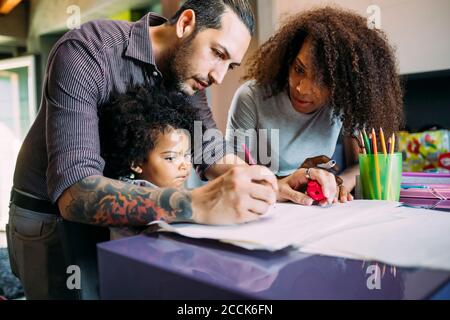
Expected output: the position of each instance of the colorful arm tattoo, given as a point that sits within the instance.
(107, 202)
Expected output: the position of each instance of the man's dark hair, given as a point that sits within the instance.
(208, 14)
(130, 124)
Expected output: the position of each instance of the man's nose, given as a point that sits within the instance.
(219, 72)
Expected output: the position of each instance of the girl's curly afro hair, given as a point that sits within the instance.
(130, 124)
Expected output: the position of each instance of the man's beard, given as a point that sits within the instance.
(176, 69)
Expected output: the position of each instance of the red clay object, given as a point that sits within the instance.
(314, 191)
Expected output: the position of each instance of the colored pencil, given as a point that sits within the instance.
(383, 142)
(377, 166)
(366, 142)
(248, 156)
(363, 148)
(392, 144)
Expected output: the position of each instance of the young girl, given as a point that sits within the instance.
(145, 137)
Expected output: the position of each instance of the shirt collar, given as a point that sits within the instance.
(139, 45)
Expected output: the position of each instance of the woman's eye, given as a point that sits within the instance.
(299, 70)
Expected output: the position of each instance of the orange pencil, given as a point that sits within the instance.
(374, 141)
(383, 142)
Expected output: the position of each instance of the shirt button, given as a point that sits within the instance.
(155, 73)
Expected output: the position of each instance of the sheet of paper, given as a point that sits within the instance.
(361, 229)
(291, 225)
(418, 238)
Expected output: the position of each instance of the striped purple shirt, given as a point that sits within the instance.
(84, 68)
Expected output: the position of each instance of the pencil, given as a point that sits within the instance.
(391, 149)
(365, 163)
(389, 145)
(362, 143)
(392, 144)
(384, 162)
(383, 142)
(389, 161)
(366, 141)
(377, 167)
(248, 156)
(374, 141)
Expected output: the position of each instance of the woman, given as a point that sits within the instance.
(323, 73)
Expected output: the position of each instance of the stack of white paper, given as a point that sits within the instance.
(419, 238)
(362, 229)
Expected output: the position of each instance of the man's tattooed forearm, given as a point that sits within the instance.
(102, 201)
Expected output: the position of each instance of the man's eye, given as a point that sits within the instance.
(219, 54)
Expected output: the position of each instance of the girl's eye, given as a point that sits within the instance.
(169, 158)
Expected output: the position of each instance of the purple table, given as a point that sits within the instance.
(163, 266)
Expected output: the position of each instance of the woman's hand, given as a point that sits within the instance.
(346, 182)
(288, 187)
(343, 194)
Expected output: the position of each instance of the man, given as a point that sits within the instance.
(59, 168)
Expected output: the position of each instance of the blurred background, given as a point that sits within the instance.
(418, 29)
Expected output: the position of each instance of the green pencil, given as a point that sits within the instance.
(366, 142)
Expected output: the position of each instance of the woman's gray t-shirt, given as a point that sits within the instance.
(290, 136)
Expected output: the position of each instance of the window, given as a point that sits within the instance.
(17, 112)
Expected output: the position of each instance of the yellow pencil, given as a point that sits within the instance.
(383, 142)
(392, 144)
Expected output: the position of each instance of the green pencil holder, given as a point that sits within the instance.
(380, 176)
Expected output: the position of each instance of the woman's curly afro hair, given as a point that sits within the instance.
(130, 124)
(355, 62)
